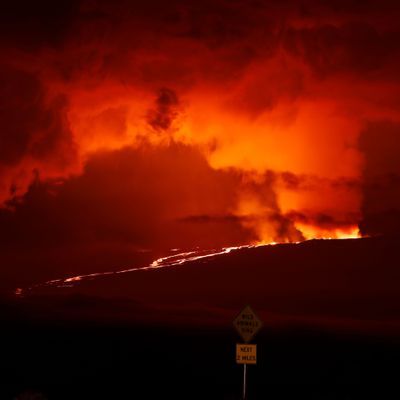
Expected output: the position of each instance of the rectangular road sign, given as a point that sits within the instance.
(246, 353)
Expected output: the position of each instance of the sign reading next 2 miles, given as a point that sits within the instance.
(246, 353)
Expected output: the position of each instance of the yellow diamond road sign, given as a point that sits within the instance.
(247, 324)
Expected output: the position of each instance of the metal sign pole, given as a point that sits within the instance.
(244, 380)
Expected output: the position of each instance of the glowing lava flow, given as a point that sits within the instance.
(162, 262)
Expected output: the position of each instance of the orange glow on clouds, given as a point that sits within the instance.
(305, 137)
(282, 102)
(311, 232)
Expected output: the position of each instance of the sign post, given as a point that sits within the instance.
(247, 324)
(244, 380)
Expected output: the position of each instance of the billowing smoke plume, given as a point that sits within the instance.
(280, 103)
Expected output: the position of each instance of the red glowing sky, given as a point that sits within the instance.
(139, 127)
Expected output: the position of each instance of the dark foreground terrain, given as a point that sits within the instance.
(331, 328)
(88, 361)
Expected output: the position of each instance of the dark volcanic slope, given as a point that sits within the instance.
(99, 335)
(350, 282)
